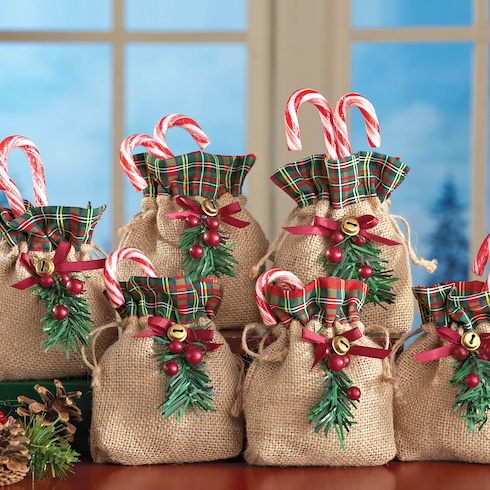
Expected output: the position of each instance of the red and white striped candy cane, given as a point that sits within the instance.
(113, 288)
(185, 122)
(37, 171)
(154, 146)
(340, 126)
(279, 276)
(292, 125)
(481, 261)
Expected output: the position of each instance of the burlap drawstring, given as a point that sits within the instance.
(254, 271)
(260, 354)
(386, 375)
(123, 230)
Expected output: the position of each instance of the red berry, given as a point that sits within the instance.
(193, 356)
(460, 352)
(211, 238)
(472, 380)
(192, 221)
(336, 362)
(365, 271)
(189, 347)
(74, 286)
(171, 368)
(337, 236)
(3, 419)
(64, 278)
(175, 346)
(346, 360)
(196, 251)
(212, 222)
(354, 393)
(46, 281)
(359, 240)
(60, 312)
(483, 357)
(334, 255)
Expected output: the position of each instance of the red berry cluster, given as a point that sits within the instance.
(336, 363)
(192, 355)
(211, 236)
(460, 352)
(3, 419)
(71, 284)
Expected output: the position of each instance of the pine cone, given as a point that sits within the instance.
(60, 407)
(14, 454)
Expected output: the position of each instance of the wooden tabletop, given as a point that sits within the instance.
(237, 475)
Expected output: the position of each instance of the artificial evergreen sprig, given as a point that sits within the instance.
(362, 261)
(333, 411)
(474, 400)
(67, 321)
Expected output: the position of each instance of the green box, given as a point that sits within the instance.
(10, 390)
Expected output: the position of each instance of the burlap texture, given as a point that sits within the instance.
(280, 388)
(301, 254)
(22, 355)
(127, 428)
(158, 237)
(426, 426)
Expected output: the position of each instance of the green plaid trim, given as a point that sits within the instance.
(45, 227)
(343, 182)
(194, 174)
(177, 299)
(468, 304)
(325, 298)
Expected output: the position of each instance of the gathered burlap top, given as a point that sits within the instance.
(280, 388)
(127, 427)
(426, 426)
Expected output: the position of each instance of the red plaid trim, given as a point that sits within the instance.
(432, 303)
(325, 298)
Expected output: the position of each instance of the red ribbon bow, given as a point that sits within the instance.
(454, 338)
(325, 227)
(192, 208)
(322, 343)
(60, 265)
(158, 326)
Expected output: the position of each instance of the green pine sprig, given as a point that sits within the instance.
(217, 260)
(333, 411)
(472, 402)
(190, 387)
(353, 257)
(50, 455)
(72, 332)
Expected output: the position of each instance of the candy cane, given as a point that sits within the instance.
(113, 288)
(481, 260)
(154, 146)
(340, 126)
(37, 171)
(292, 125)
(185, 122)
(286, 279)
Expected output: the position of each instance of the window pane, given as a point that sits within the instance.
(206, 82)
(191, 15)
(56, 15)
(403, 13)
(60, 97)
(422, 94)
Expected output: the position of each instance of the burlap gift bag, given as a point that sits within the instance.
(343, 226)
(316, 395)
(194, 221)
(444, 377)
(166, 390)
(50, 289)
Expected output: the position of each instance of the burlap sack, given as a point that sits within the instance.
(427, 427)
(198, 176)
(128, 386)
(359, 185)
(39, 233)
(281, 387)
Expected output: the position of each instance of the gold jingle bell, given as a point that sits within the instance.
(44, 267)
(340, 345)
(210, 207)
(177, 332)
(470, 340)
(350, 226)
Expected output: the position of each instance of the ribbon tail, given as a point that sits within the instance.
(237, 223)
(307, 230)
(373, 352)
(434, 354)
(80, 266)
(379, 239)
(144, 335)
(25, 283)
(211, 346)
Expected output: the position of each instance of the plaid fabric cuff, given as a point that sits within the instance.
(342, 182)
(175, 298)
(194, 174)
(45, 227)
(325, 298)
